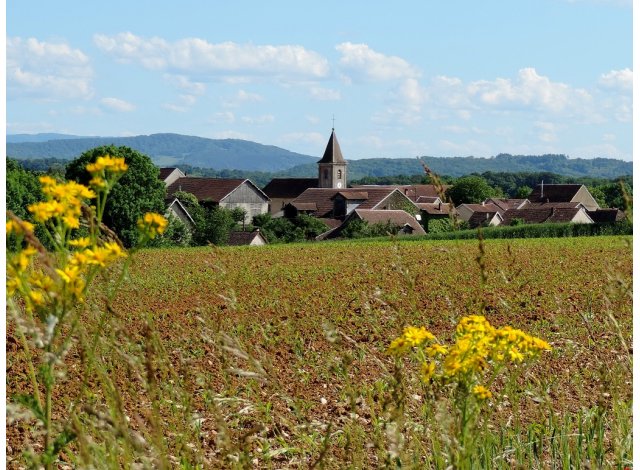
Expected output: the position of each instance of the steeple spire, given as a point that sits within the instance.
(332, 167)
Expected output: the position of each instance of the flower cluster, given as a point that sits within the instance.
(152, 225)
(478, 346)
(105, 170)
(63, 202)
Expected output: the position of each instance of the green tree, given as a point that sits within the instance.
(522, 192)
(23, 189)
(176, 234)
(471, 190)
(283, 230)
(138, 191)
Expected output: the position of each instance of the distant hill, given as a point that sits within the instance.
(19, 138)
(245, 156)
(460, 166)
(167, 150)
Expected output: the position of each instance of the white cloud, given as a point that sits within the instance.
(186, 84)
(530, 90)
(547, 131)
(258, 120)
(226, 117)
(325, 94)
(47, 70)
(314, 138)
(312, 119)
(360, 61)
(463, 149)
(115, 104)
(621, 80)
(198, 56)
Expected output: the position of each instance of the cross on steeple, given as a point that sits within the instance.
(333, 122)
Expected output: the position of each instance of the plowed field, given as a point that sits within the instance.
(270, 346)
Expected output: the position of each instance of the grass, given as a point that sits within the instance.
(275, 357)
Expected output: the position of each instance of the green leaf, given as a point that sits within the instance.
(30, 402)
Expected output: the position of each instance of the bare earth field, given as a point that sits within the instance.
(275, 357)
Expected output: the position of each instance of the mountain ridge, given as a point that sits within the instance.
(170, 149)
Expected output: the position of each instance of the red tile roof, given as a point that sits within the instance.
(396, 217)
(323, 198)
(244, 238)
(506, 204)
(209, 189)
(289, 187)
(540, 215)
(554, 192)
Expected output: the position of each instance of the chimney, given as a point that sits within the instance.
(541, 189)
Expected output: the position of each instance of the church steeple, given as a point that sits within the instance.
(332, 167)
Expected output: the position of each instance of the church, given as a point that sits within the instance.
(332, 173)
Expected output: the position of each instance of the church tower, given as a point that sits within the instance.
(332, 168)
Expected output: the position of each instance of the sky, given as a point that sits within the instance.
(395, 79)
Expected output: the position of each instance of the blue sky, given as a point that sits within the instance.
(411, 78)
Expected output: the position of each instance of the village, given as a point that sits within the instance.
(410, 209)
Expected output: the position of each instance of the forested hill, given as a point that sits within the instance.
(167, 150)
(460, 166)
(245, 156)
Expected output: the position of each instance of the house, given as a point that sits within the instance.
(254, 238)
(545, 193)
(536, 215)
(177, 210)
(604, 216)
(466, 211)
(484, 219)
(281, 191)
(338, 203)
(506, 204)
(169, 175)
(415, 192)
(406, 223)
(227, 193)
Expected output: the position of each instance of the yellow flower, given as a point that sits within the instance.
(428, 369)
(97, 182)
(398, 346)
(43, 211)
(69, 274)
(436, 349)
(107, 163)
(417, 336)
(481, 392)
(152, 224)
(19, 227)
(82, 242)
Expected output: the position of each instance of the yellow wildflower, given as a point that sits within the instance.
(436, 349)
(82, 242)
(481, 392)
(417, 336)
(428, 369)
(107, 163)
(152, 224)
(398, 346)
(19, 227)
(69, 274)
(98, 183)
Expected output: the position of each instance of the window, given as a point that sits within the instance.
(339, 174)
(326, 174)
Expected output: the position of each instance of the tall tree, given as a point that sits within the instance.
(471, 190)
(138, 191)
